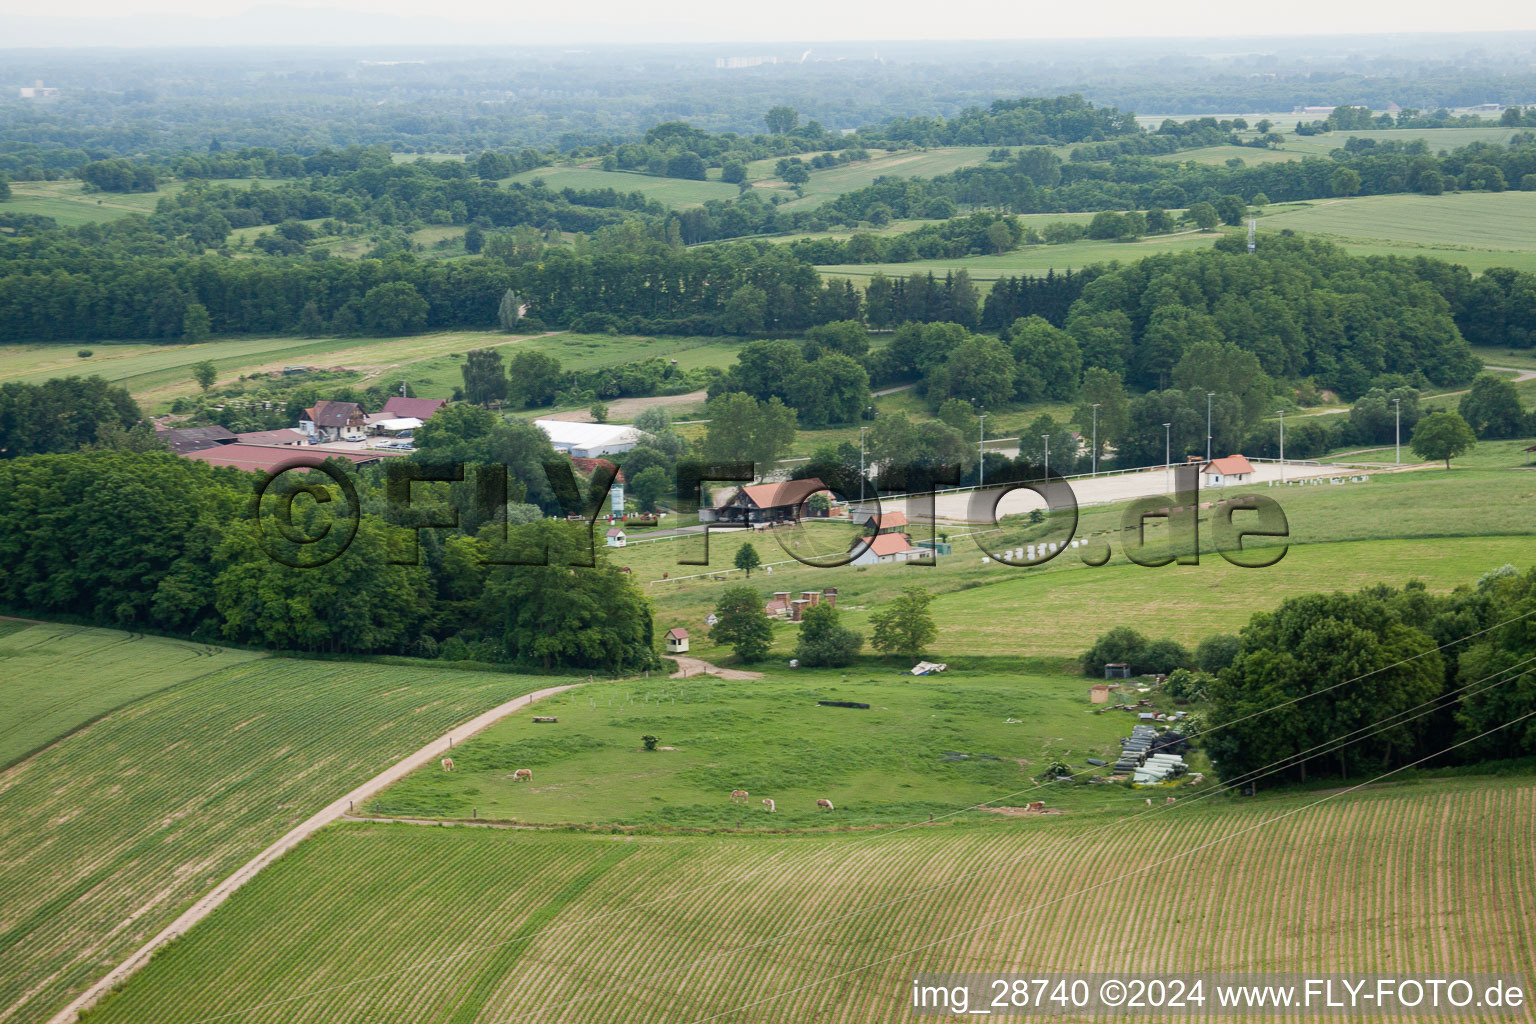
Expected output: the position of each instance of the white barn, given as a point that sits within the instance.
(589, 440)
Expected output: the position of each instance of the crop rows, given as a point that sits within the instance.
(418, 922)
(112, 832)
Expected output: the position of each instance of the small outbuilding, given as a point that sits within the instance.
(617, 538)
(1117, 670)
(677, 640)
(1234, 469)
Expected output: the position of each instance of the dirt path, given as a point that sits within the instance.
(687, 667)
(337, 809)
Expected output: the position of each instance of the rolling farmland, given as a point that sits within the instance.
(113, 831)
(55, 678)
(156, 374)
(442, 923)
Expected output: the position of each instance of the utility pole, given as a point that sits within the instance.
(862, 431)
(1168, 454)
(1397, 408)
(1282, 446)
(981, 452)
(1047, 439)
(1208, 396)
(1095, 438)
(402, 389)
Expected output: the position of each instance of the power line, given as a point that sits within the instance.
(876, 836)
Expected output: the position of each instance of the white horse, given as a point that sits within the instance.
(523, 775)
(447, 764)
(825, 803)
(739, 796)
(768, 803)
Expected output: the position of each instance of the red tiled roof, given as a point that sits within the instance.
(412, 408)
(887, 520)
(789, 492)
(884, 544)
(678, 633)
(1232, 465)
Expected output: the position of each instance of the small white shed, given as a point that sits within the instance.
(616, 538)
(677, 640)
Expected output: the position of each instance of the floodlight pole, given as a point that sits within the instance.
(1208, 396)
(1047, 439)
(862, 431)
(1168, 454)
(1095, 438)
(981, 452)
(1282, 446)
(1397, 407)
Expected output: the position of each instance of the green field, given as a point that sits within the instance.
(55, 678)
(113, 831)
(1444, 528)
(770, 737)
(156, 374)
(70, 205)
(399, 922)
(1478, 230)
(1221, 154)
(834, 181)
(673, 192)
(1437, 139)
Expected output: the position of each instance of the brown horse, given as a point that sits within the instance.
(523, 775)
(825, 803)
(447, 764)
(768, 803)
(739, 796)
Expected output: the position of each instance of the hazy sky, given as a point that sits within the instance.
(713, 20)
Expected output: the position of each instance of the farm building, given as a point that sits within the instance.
(186, 440)
(888, 522)
(1234, 469)
(266, 458)
(616, 538)
(335, 421)
(589, 440)
(1099, 693)
(422, 409)
(287, 437)
(677, 640)
(763, 503)
(885, 547)
(1117, 670)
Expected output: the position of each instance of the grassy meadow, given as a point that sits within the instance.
(886, 764)
(113, 831)
(56, 678)
(157, 374)
(487, 925)
(70, 205)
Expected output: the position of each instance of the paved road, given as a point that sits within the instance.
(339, 808)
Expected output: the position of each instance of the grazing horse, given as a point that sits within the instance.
(768, 803)
(523, 775)
(739, 796)
(825, 803)
(447, 764)
(1172, 799)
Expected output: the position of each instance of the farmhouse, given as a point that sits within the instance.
(186, 440)
(885, 547)
(334, 421)
(589, 440)
(764, 503)
(1234, 469)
